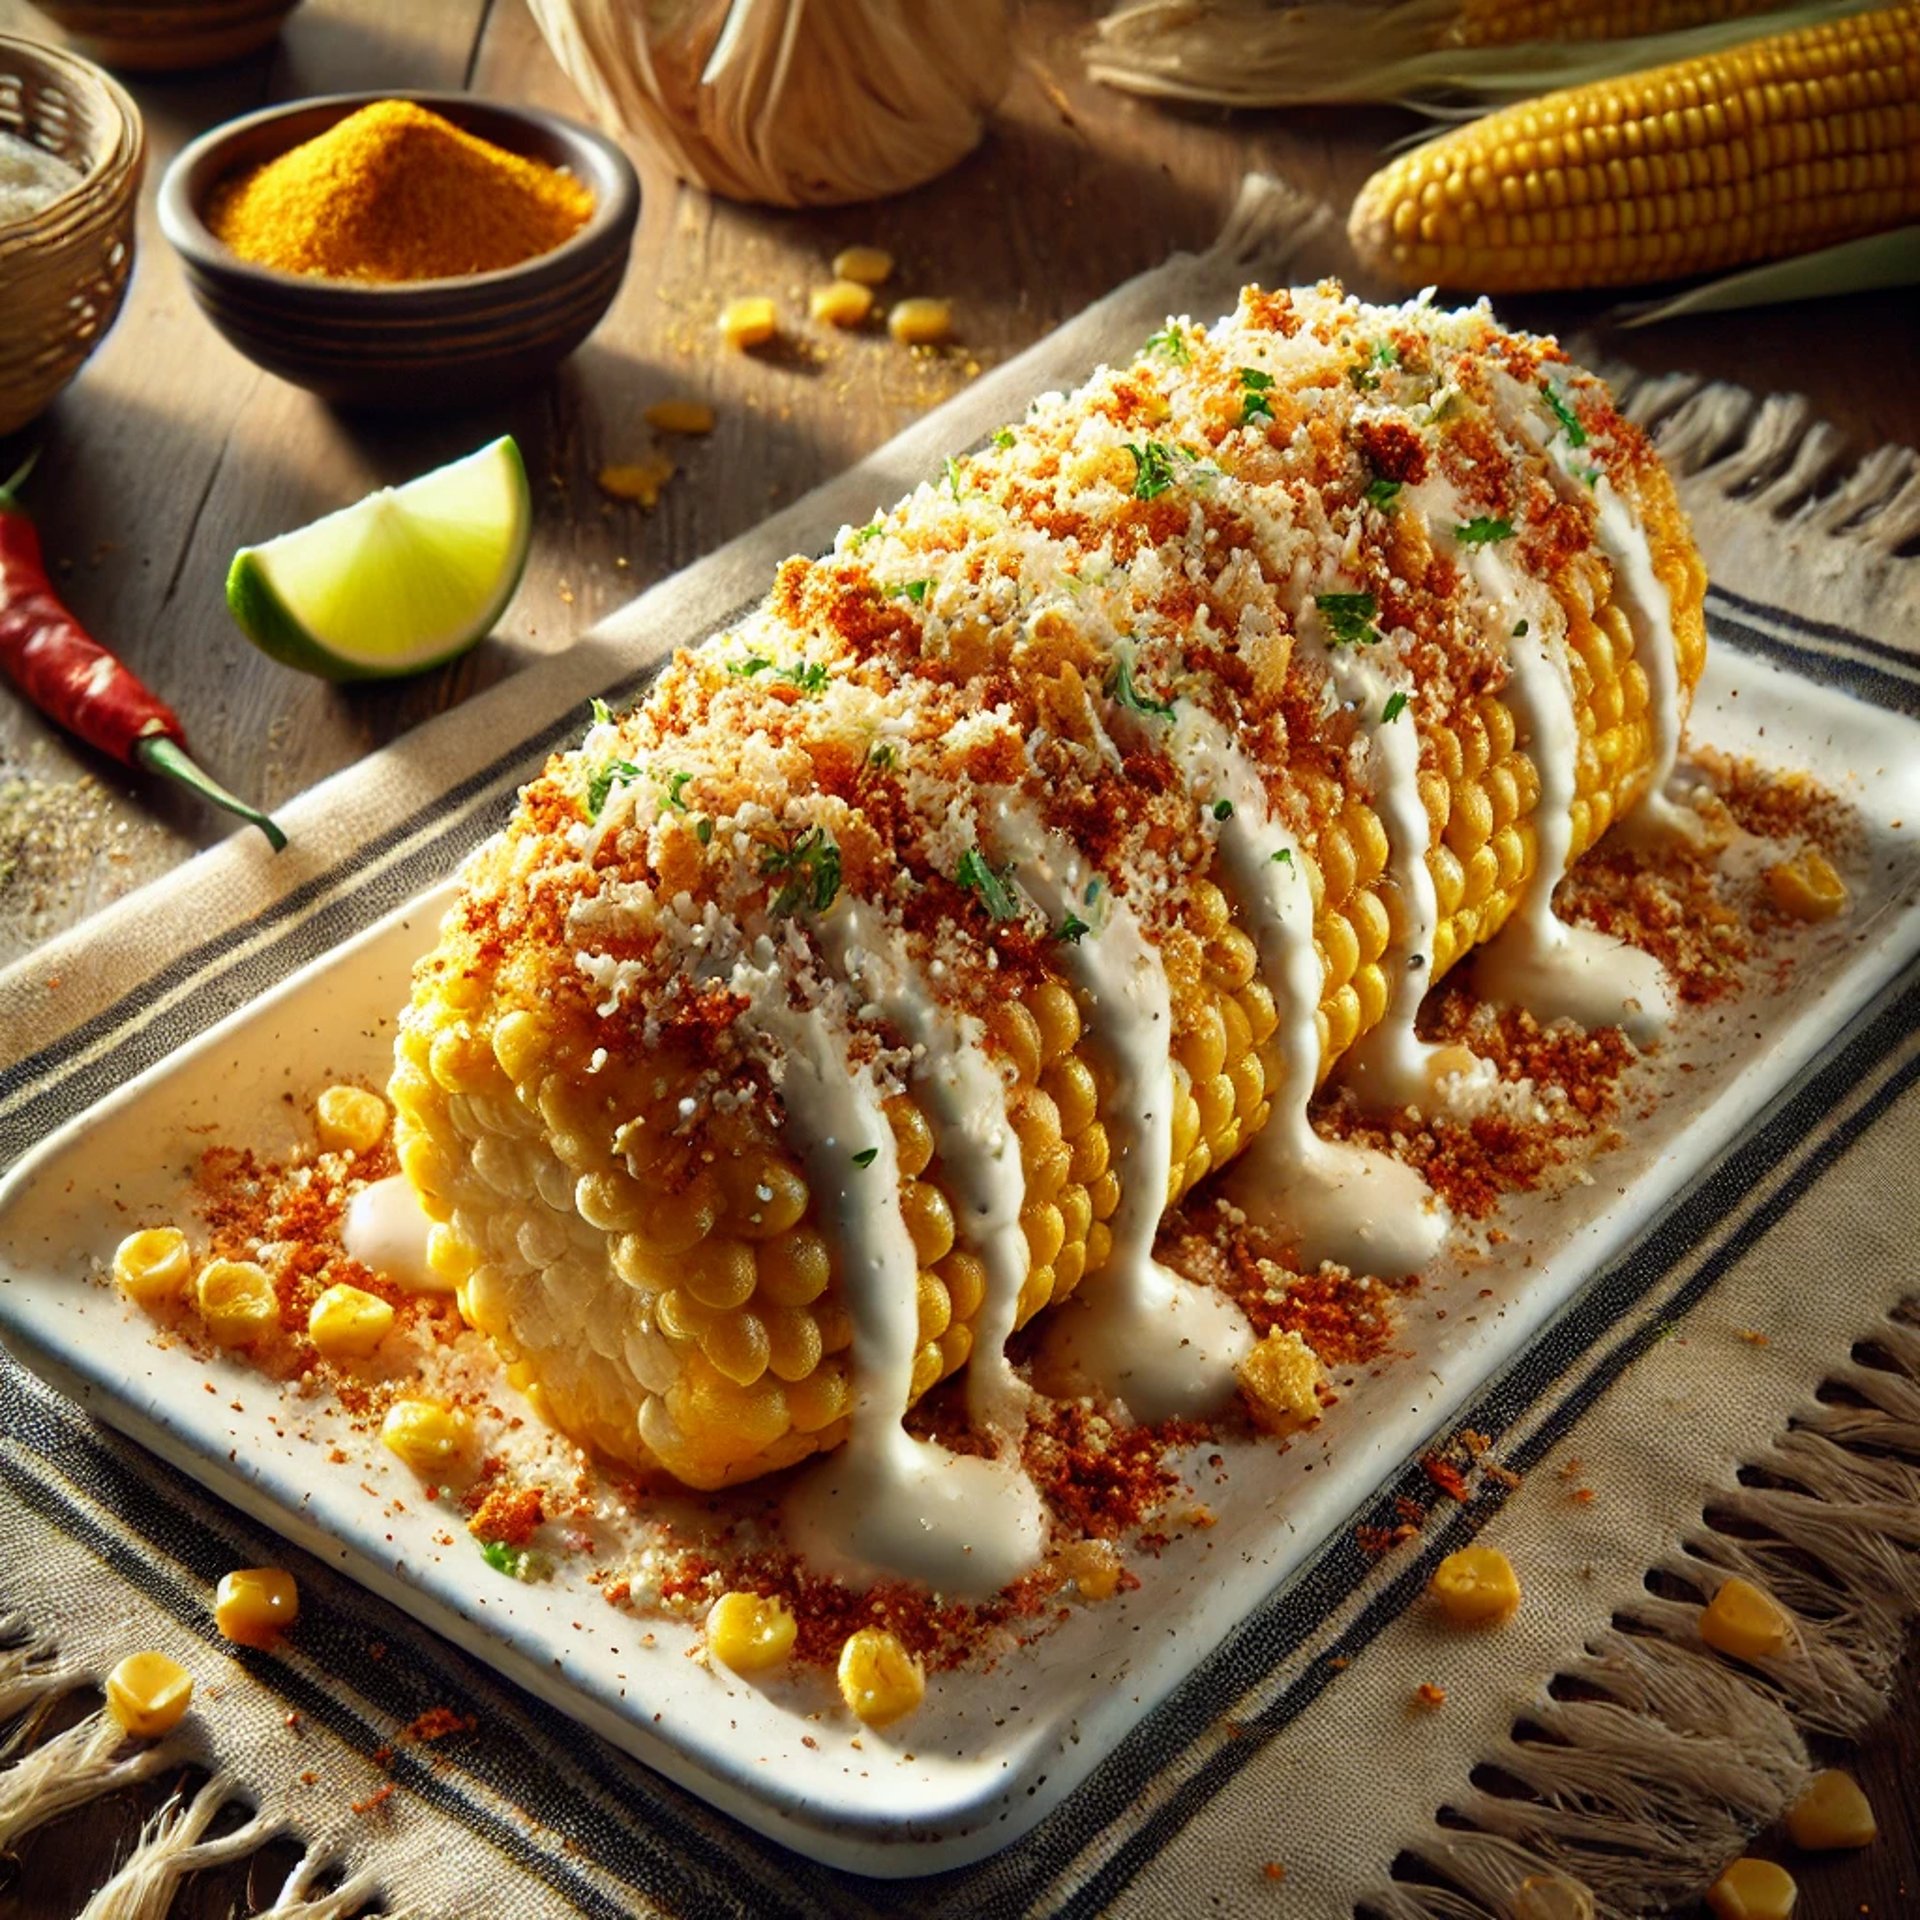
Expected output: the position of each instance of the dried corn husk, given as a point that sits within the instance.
(789, 102)
(1438, 55)
(1855, 266)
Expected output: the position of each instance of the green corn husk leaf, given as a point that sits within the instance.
(1253, 53)
(1890, 259)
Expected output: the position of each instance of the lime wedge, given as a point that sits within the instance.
(408, 578)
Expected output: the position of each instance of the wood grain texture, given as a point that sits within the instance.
(170, 451)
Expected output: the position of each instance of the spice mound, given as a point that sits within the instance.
(394, 193)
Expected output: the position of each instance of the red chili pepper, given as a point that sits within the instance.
(71, 678)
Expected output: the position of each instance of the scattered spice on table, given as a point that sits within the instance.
(393, 193)
(31, 178)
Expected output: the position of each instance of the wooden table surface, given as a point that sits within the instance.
(171, 451)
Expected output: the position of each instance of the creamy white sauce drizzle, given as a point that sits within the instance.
(979, 1155)
(385, 1228)
(1644, 599)
(885, 1503)
(1337, 1202)
(1149, 1337)
(1537, 960)
(1390, 1065)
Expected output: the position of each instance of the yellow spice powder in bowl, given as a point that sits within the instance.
(395, 192)
(431, 250)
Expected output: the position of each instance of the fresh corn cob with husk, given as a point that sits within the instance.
(1775, 148)
(589, 1081)
(1251, 53)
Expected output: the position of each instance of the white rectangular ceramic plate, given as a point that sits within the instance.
(994, 1750)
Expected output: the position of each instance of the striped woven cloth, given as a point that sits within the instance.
(1289, 1764)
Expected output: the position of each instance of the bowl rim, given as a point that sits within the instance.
(591, 155)
(110, 177)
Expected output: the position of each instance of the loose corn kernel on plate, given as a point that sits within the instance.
(993, 1746)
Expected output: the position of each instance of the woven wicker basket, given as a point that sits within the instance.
(63, 270)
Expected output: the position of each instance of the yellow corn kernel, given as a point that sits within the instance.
(879, 1679)
(429, 1437)
(1549, 1896)
(639, 480)
(679, 416)
(152, 1265)
(252, 1605)
(350, 1119)
(236, 1301)
(347, 1323)
(1742, 1621)
(1094, 1567)
(149, 1694)
(921, 322)
(1279, 1378)
(749, 321)
(1831, 1813)
(1806, 887)
(1476, 1587)
(841, 303)
(1753, 1890)
(750, 1632)
(871, 266)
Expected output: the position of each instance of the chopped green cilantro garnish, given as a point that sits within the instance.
(517, 1563)
(1254, 404)
(1569, 420)
(602, 713)
(703, 830)
(1223, 809)
(605, 778)
(676, 785)
(812, 863)
(810, 676)
(1152, 470)
(1519, 632)
(978, 876)
(1481, 531)
(1004, 438)
(953, 475)
(1591, 475)
(1284, 857)
(1382, 493)
(866, 1156)
(1395, 707)
(880, 755)
(1170, 341)
(1387, 354)
(1349, 617)
(1073, 929)
(1120, 687)
(914, 590)
(1362, 378)
(871, 531)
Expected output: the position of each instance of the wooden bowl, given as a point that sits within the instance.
(166, 36)
(413, 344)
(63, 270)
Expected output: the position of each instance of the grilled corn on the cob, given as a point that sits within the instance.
(812, 1010)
